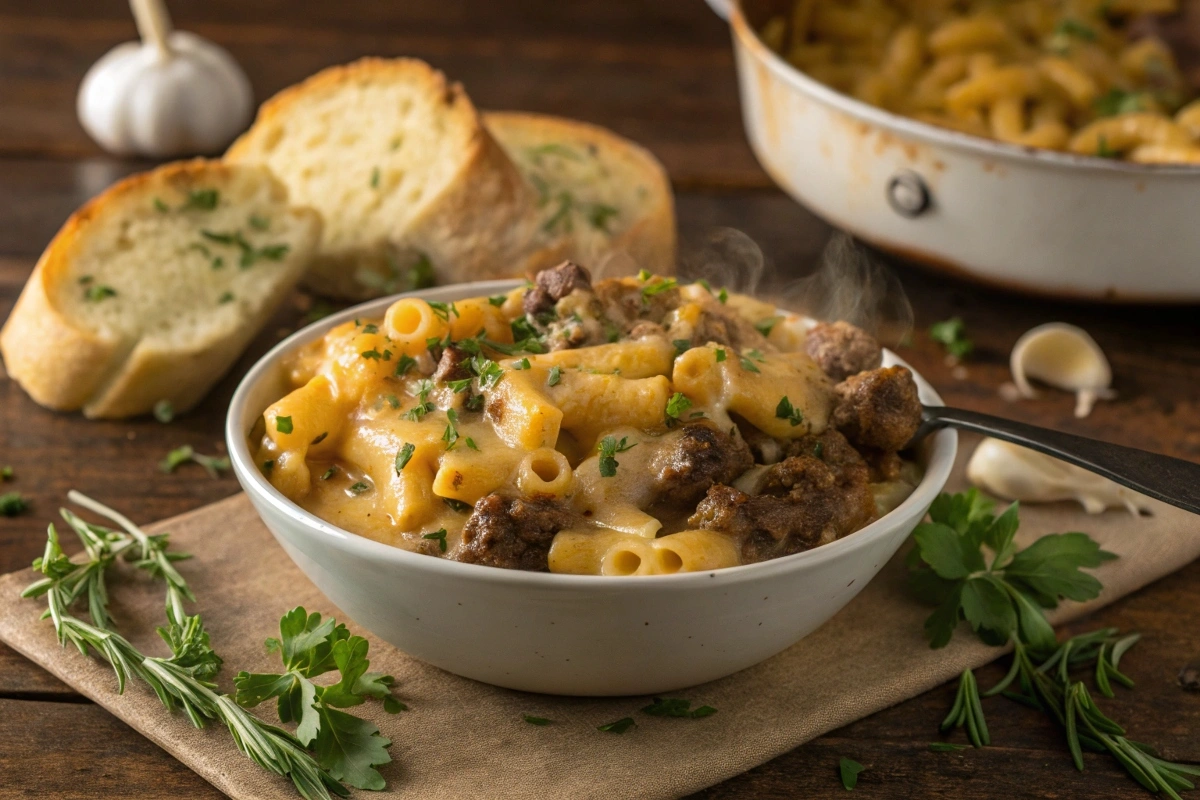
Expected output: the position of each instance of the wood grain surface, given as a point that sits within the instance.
(662, 73)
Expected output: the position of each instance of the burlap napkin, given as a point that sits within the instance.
(467, 739)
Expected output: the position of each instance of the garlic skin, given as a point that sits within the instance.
(1018, 473)
(188, 98)
(1065, 357)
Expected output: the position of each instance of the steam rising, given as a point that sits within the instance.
(728, 258)
(851, 285)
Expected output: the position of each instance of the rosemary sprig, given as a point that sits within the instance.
(182, 681)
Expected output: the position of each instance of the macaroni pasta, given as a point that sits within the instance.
(1056, 74)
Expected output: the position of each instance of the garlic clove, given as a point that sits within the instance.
(1065, 357)
(1018, 473)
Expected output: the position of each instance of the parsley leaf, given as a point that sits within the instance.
(283, 424)
(677, 707)
(182, 455)
(619, 726)
(657, 287)
(98, 292)
(532, 720)
(609, 447)
(360, 487)
(765, 326)
(720, 354)
(747, 364)
(676, 406)
(201, 200)
(404, 455)
(498, 300)
(439, 536)
(404, 364)
(555, 376)
(490, 373)
(450, 436)
(12, 503)
(522, 364)
(1002, 598)
(849, 770)
(951, 334)
(785, 410)
(348, 747)
(164, 412)
(456, 505)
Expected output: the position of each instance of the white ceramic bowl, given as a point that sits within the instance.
(567, 634)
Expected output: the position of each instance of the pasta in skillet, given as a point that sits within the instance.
(627, 427)
(1058, 74)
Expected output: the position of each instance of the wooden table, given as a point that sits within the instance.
(660, 72)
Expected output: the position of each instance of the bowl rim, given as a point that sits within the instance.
(927, 132)
(942, 453)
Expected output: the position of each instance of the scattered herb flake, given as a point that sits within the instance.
(258, 223)
(160, 206)
(98, 292)
(164, 412)
(268, 466)
(608, 448)
(681, 346)
(375, 178)
(785, 410)
(498, 300)
(720, 354)
(946, 747)
(283, 424)
(359, 487)
(767, 325)
(747, 364)
(723, 295)
(849, 771)
(555, 376)
(522, 364)
(676, 406)
(450, 435)
(951, 334)
(439, 536)
(620, 726)
(182, 455)
(201, 200)
(404, 364)
(226, 297)
(12, 504)
(404, 455)
(322, 437)
(677, 707)
(329, 473)
(457, 505)
(532, 720)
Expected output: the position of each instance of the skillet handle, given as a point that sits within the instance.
(1170, 480)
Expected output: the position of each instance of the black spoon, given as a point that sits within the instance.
(1170, 480)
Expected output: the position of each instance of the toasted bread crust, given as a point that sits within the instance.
(650, 240)
(65, 366)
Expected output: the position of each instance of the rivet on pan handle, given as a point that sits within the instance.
(908, 195)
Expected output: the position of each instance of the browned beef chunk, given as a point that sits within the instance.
(841, 349)
(625, 304)
(830, 447)
(690, 460)
(721, 325)
(512, 532)
(878, 408)
(552, 285)
(884, 466)
(452, 366)
(804, 502)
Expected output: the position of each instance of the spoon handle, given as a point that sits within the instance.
(1170, 480)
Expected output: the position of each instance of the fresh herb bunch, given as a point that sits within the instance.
(185, 679)
(347, 747)
(1003, 601)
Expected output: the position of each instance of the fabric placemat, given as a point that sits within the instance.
(462, 738)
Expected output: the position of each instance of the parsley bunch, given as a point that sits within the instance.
(347, 747)
(966, 563)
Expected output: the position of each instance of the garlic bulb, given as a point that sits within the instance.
(1064, 357)
(171, 94)
(1018, 473)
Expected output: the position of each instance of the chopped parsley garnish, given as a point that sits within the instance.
(182, 455)
(677, 707)
(201, 200)
(474, 403)
(620, 726)
(226, 297)
(471, 444)
(1118, 101)
(423, 405)
(555, 376)
(704, 282)
(164, 412)
(723, 295)
(404, 455)
(375, 178)
(785, 410)
(6, 473)
(359, 487)
(489, 371)
(439, 536)
(160, 206)
(522, 328)
(609, 447)
(946, 747)
(819, 450)
(268, 466)
(720, 354)
(553, 148)
(404, 364)
(765, 326)
(676, 406)
(443, 310)
(329, 473)
(324, 435)
(283, 424)
(658, 287)
(370, 327)
(12, 503)
(498, 299)
(372, 354)
(532, 720)
(460, 385)
(599, 214)
(644, 275)
(457, 505)
(611, 332)
(259, 223)
(94, 294)
(250, 254)
(681, 346)
(747, 364)
(952, 335)
(849, 770)
(522, 364)
(1103, 150)
(450, 435)
(392, 400)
